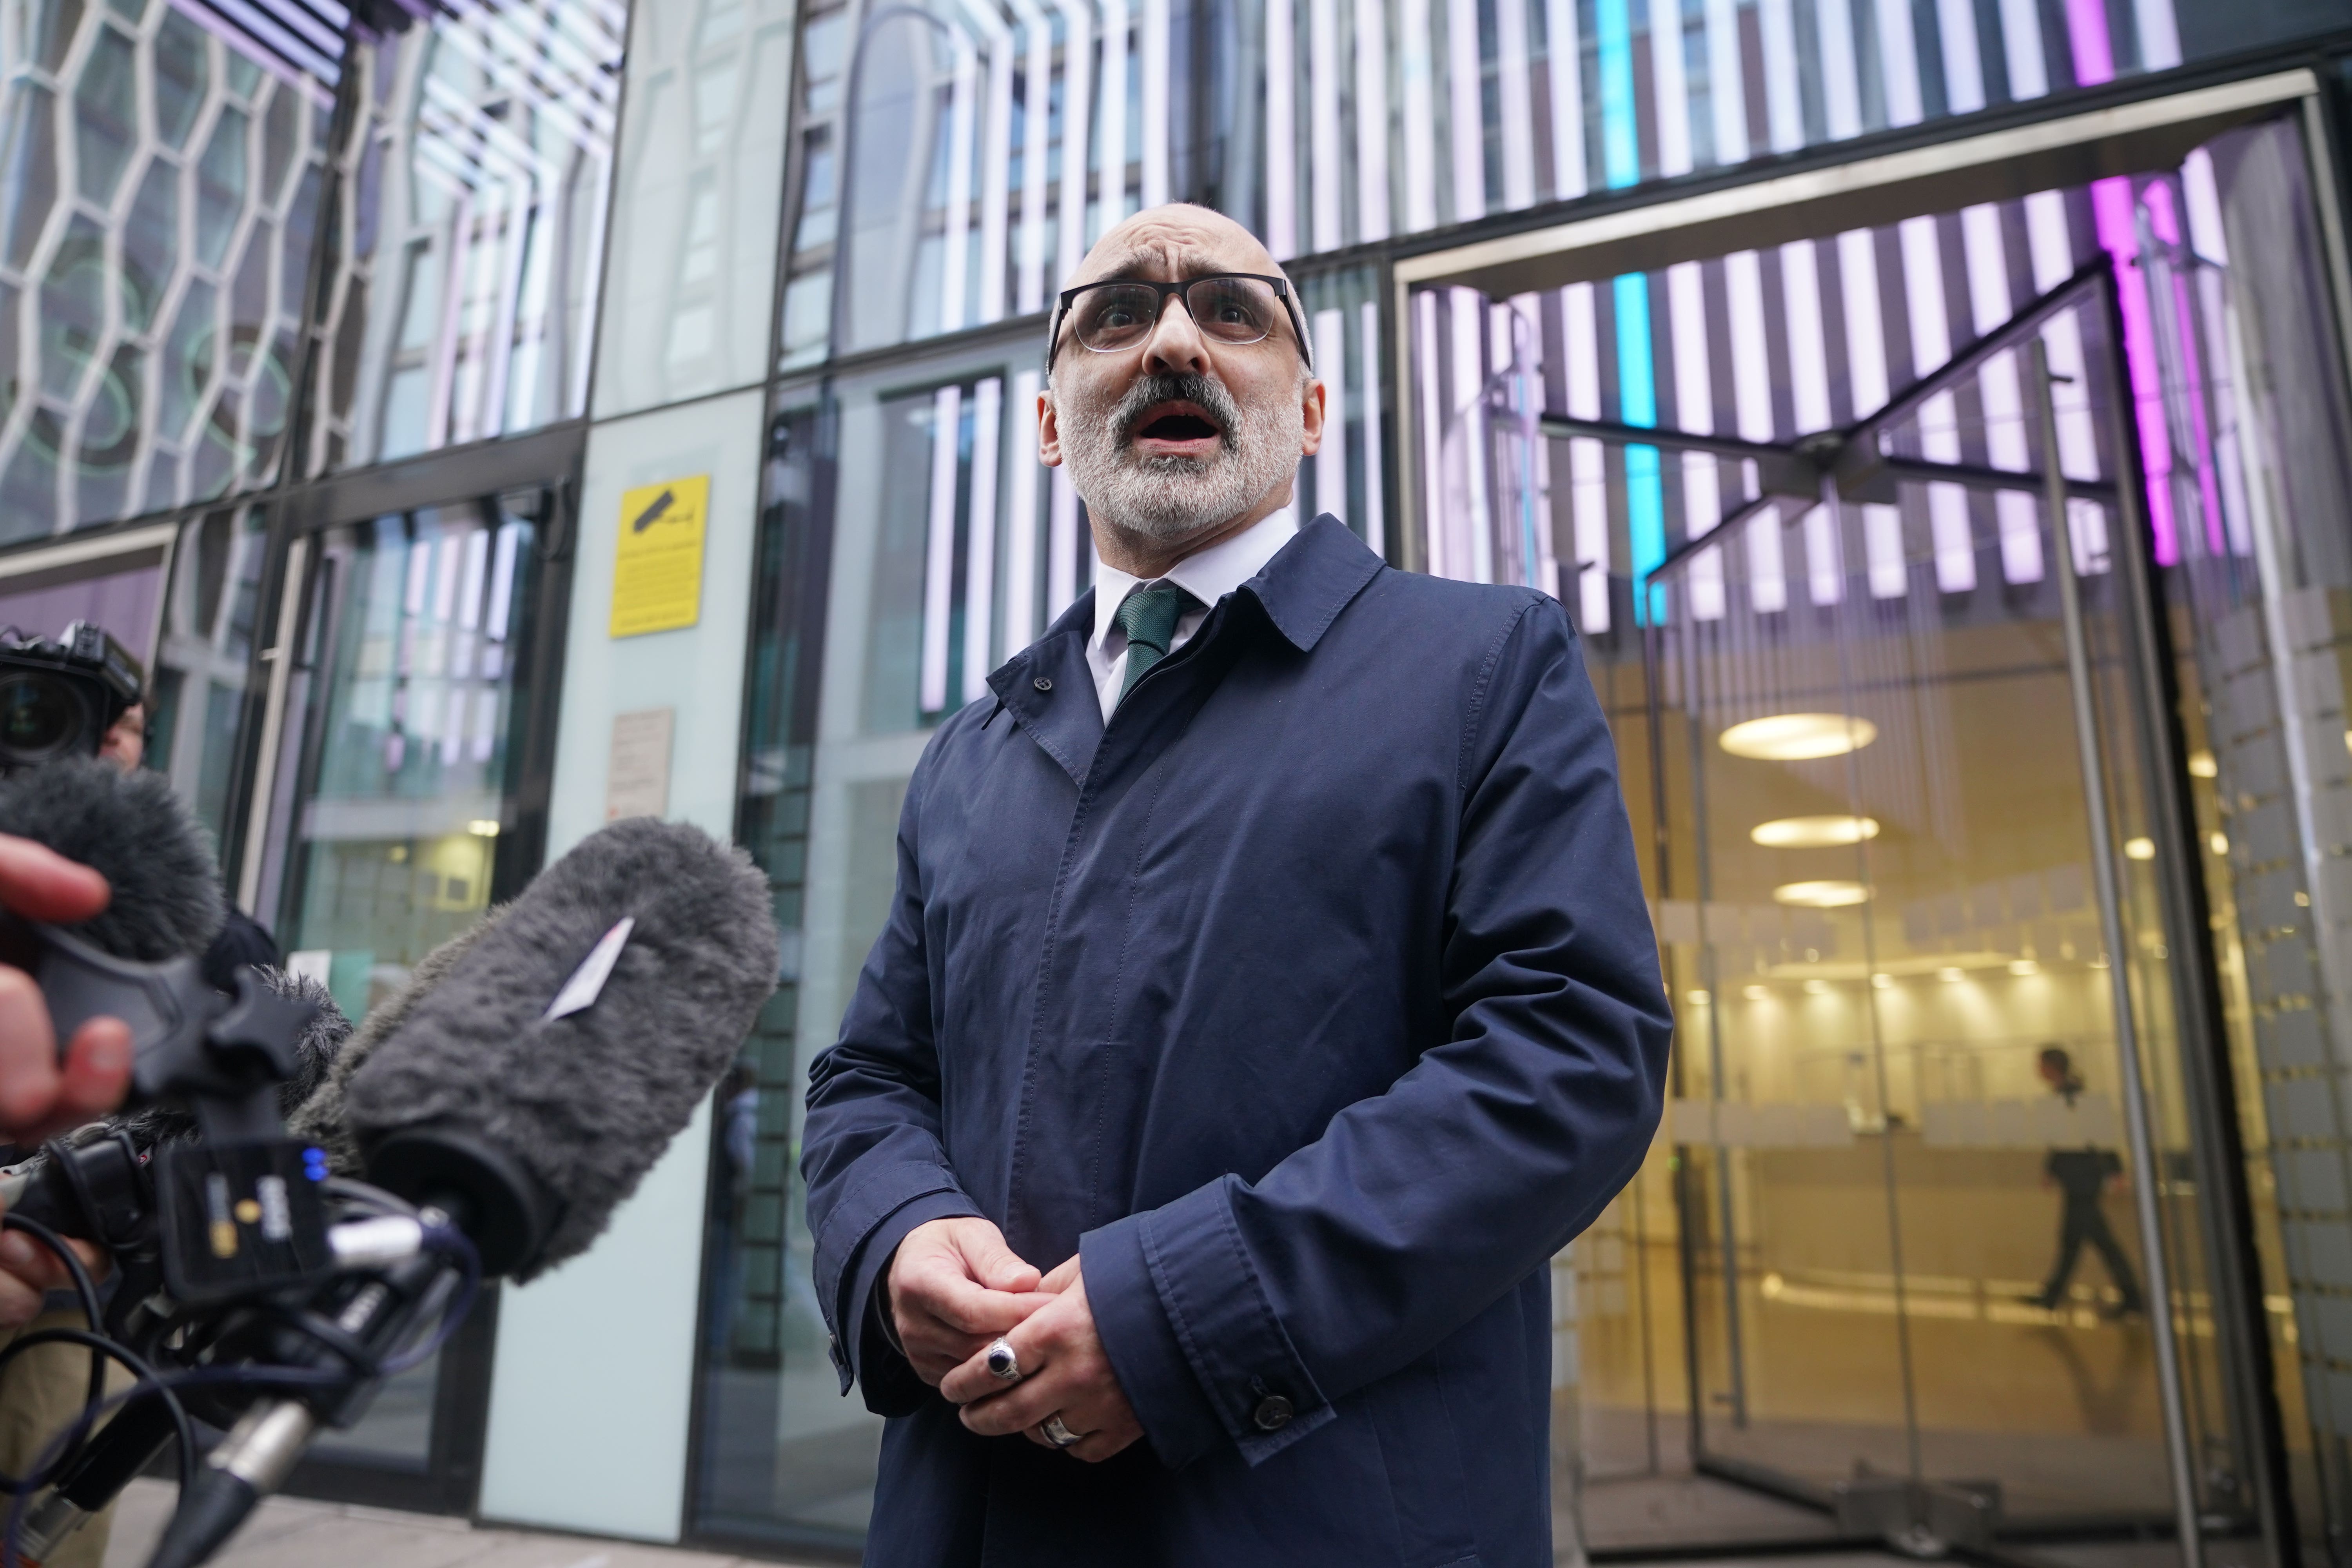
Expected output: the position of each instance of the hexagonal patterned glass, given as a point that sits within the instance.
(158, 193)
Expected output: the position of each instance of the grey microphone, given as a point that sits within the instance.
(534, 1075)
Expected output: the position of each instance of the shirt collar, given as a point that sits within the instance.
(1208, 575)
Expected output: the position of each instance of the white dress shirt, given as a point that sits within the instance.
(1208, 575)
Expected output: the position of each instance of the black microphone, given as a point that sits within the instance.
(529, 1088)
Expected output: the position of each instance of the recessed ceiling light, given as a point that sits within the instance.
(1698, 998)
(2202, 766)
(1813, 832)
(2024, 966)
(1816, 987)
(1882, 980)
(2140, 848)
(2218, 843)
(1758, 993)
(1829, 895)
(483, 827)
(1798, 737)
(1949, 976)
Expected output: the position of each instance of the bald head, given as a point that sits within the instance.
(1175, 240)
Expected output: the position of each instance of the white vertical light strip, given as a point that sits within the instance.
(1474, 551)
(1020, 521)
(1062, 547)
(1466, 109)
(938, 556)
(1564, 70)
(1751, 394)
(2049, 242)
(1331, 457)
(1038, 93)
(1371, 43)
(1433, 435)
(1727, 92)
(979, 544)
(1695, 412)
(1784, 108)
(1588, 473)
(1413, 54)
(2159, 35)
(1367, 401)
(1840, 86)
(2202, 199)
(1809, 388)
(1324, 159)
(1111, 164)
(955, 275)
(2021, 40)
(1956, 28)
(1865, 361)
(1078, 97)
(1156, 179)
(995, 163)
(1998, 385)
(1281, 131)
(1938, 420)
(1514, 102)
(1670, 80)
(1898, 57)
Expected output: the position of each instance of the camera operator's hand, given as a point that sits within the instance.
(39, 1097)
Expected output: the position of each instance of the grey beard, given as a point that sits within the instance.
(1173, 498)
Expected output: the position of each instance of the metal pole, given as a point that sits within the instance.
(2136, 1132)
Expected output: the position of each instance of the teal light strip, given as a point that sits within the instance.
(1637, 382)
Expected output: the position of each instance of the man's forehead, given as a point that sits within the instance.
(1170, 243)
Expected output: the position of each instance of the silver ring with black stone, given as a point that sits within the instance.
(1003, 1364)
(1060, 1435)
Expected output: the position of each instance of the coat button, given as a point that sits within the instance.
(1042, 683)
(1272, 1413)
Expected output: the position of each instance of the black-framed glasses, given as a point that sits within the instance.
(1227, 307)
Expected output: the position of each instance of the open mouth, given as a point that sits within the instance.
(1176, 423)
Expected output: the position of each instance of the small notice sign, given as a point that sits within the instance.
(637, 778)
(657, 578)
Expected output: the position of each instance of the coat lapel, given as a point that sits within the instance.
(1049, 689)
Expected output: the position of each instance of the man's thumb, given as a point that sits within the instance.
(995, 1265)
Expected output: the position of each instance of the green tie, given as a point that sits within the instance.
(1149, 618)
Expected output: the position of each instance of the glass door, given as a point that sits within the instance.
(411, 723)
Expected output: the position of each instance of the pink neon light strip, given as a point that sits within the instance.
(2110, 209)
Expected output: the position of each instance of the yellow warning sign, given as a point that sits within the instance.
(657, 579)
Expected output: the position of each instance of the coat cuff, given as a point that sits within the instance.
(861, 1352)
(1188, 1327)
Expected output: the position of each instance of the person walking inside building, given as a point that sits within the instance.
(2081, 1177)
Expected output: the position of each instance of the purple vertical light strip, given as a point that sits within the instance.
(2165, 224)
(2111, 211)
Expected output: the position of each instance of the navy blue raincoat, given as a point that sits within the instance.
(1314, 1001)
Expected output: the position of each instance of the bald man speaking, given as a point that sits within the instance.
(1268, 994)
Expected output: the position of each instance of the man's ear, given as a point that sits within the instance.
(1316, 402)
(1049, 431)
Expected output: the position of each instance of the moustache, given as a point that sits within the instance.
(1209, 395)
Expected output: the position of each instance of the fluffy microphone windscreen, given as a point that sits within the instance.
(316, 1052)
(322, 1117)
(585, 1102)
(131, 829)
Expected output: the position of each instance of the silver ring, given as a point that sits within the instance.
(1003, 1364)
(1061, 1436)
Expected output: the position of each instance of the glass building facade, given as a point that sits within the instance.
(1933, 414)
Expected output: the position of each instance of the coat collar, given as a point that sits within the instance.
(1302, 590)
(1311, 579)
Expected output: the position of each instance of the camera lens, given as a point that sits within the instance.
(37, 714)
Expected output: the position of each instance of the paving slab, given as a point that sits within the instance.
(295, 1533)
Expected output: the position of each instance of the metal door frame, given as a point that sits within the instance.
(1849, 466)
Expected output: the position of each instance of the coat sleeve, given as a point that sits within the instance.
(1239, 1311)
(871, 1151)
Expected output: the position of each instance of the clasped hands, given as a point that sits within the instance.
(954, 1287)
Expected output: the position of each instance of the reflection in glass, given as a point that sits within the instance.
(158, 365)
(478, 174)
